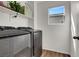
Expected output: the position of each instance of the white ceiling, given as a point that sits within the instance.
(39, 1)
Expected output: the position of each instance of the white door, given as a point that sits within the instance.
(75, 29)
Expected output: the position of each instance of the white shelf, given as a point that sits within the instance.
(11, 12)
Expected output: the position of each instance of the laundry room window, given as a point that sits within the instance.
(56, 15)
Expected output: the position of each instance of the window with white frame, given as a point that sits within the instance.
(56, 15)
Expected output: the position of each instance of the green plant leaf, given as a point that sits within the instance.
(16, 7)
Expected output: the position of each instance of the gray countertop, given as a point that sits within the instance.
(12, 33)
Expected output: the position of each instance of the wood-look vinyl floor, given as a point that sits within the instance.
(47, 53)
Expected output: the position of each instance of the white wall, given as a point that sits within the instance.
(35, 15)
(4, 19)
(31, 22)
(55, 37)
(8, 20)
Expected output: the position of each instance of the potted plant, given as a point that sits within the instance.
(14, 5)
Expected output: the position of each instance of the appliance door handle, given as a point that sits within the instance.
(76, 37)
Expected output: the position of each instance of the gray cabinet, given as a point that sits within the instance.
(9, 47)
(20, 43)
(5, 47)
